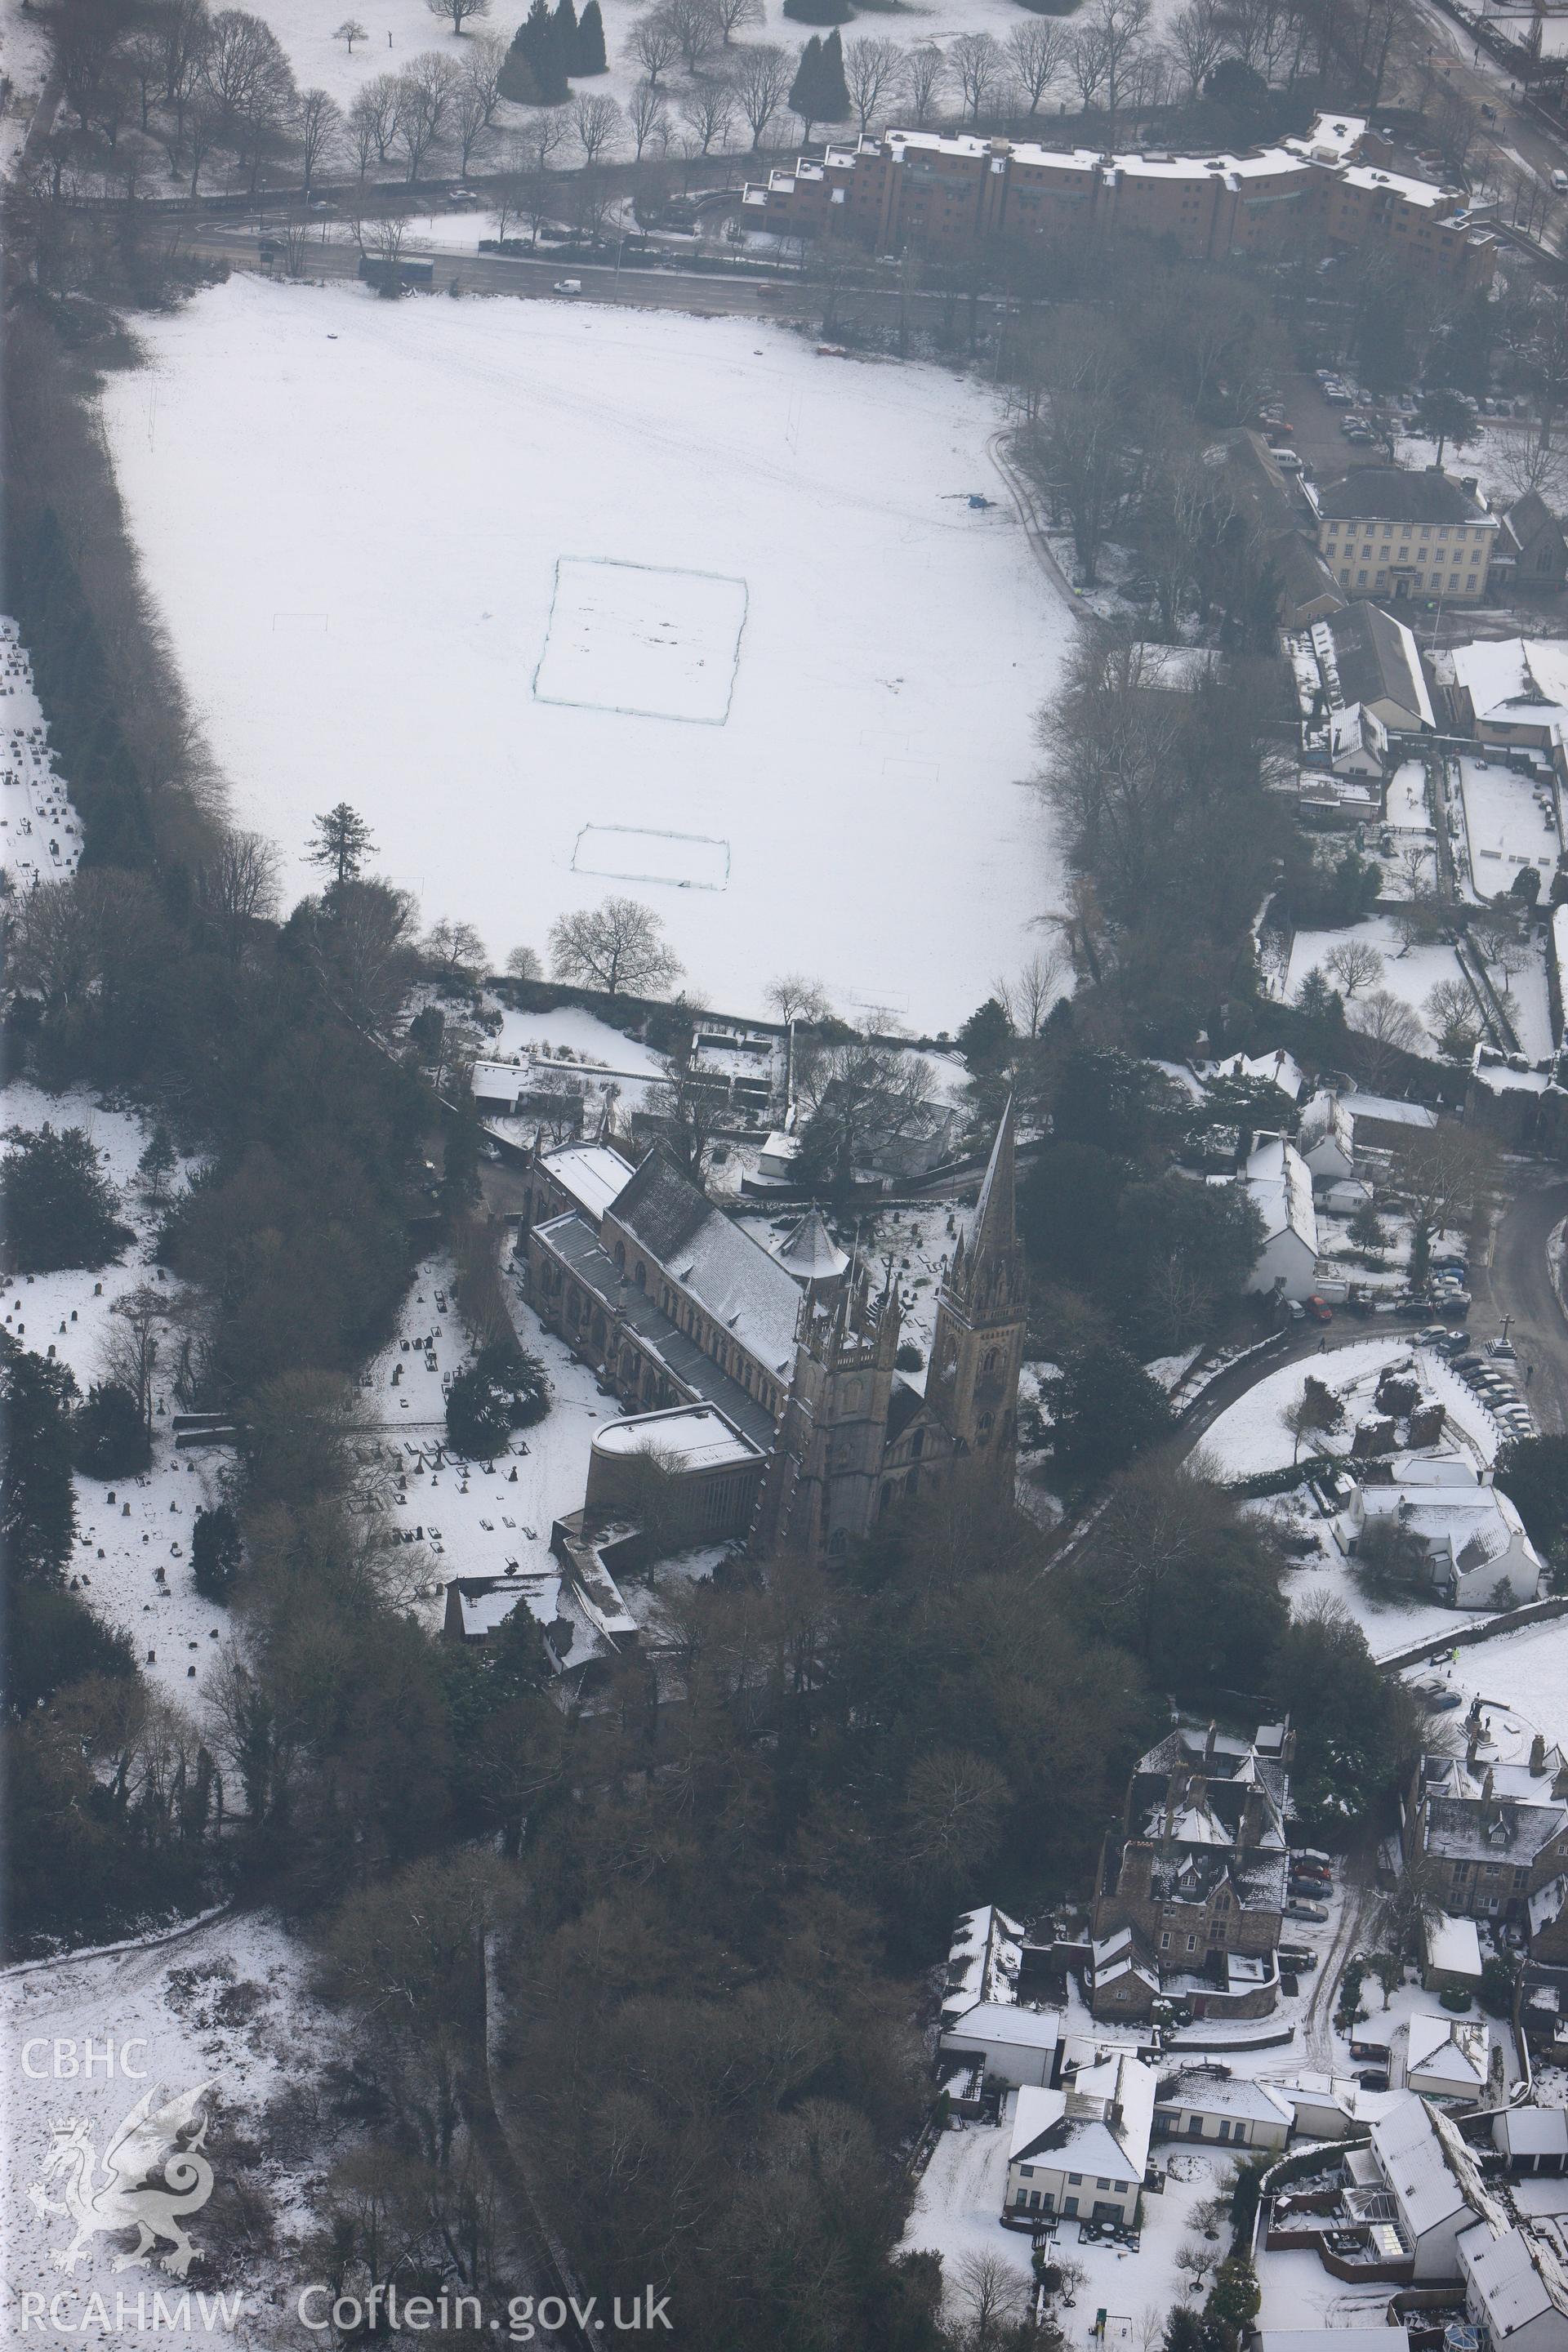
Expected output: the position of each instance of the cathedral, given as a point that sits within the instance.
(766, 1378)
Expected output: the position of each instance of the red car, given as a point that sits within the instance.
(1317, 1310)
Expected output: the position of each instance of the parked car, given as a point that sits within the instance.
(1298, 1908)
(1374, 2079)
(1312, 1853)
(1467, 1362)
(1318, 1309)
(1298, 1956)
(1444, 1702)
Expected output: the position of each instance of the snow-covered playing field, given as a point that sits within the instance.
(353, 514)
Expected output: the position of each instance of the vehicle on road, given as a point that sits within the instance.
(1559, 181)
(567, 286)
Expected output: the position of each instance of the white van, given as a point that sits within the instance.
(568, 286)
(1559, 181)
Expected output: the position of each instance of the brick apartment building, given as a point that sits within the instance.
(918, 188)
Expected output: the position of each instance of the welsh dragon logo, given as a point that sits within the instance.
(129, 2194)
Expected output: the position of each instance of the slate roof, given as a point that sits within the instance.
(1431, 2172)
(577, 1244)
(740, 1284)
(1377, 660)
(1388, 493)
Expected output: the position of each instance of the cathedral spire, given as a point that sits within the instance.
(995, 1211)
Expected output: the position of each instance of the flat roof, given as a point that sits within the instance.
(699, 1434)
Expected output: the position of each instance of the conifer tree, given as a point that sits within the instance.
(563, 31)
(592, 58)
(833, 94)
(806, 87)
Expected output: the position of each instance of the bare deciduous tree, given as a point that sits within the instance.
(1196, 39)
(992, 2294)
(351, 30)
(425, 91)
(1385, 1027)
(926, 75)
(318, 127)
(708, 110)
(979, 64)
(1036, 55)
(797, 997)
(598, 122)
(696, 30)
(734, 17)
(614, 946)
(129, 1348)
(454, 956)
(1027, 998)
(238, 887)
(372, 119)
(458, 12)
(646, 110)
(655, 43)
(873, 70)
(1354, 965)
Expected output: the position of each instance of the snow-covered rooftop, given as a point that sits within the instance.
(697, 1434)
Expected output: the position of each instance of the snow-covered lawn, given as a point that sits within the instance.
(399, 30)
(351, 514)
(223, 2005)
(1522, 1680)
(1250, 1435)
(1511, 824)
(959, 2202)
(1410, 975)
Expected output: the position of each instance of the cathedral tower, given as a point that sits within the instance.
(823, 1484)
(977, 1349)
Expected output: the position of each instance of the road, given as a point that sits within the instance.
(1516, 1281)
(1521, 135)
(668, 288)
(484, 273)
